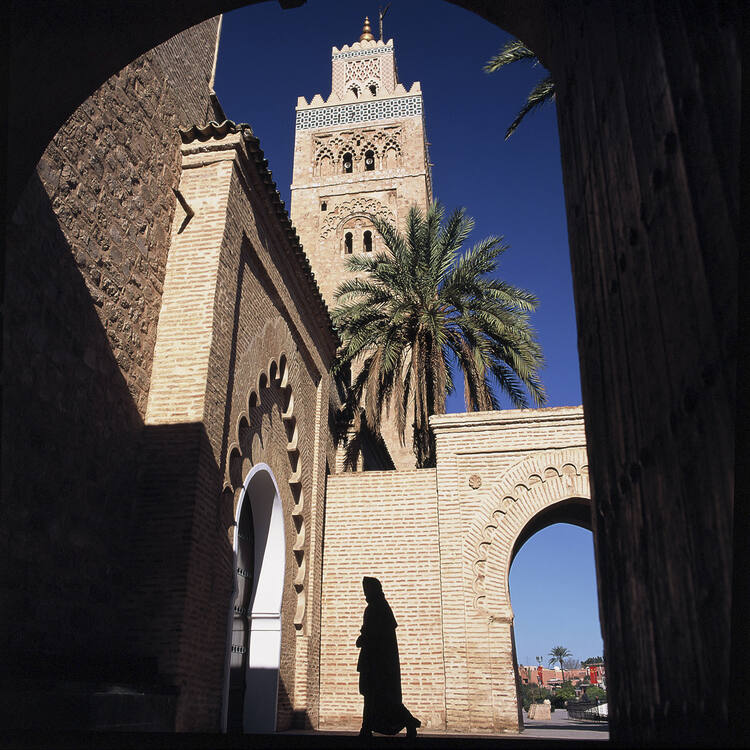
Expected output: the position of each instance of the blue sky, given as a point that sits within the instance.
(268, 57)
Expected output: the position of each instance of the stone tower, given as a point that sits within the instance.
(360, 151)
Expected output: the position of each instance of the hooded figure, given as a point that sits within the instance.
(379, 668)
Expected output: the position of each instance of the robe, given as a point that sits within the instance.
(380, 670)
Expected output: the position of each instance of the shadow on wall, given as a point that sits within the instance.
(69, 435)
(176, 609)
(105, 513)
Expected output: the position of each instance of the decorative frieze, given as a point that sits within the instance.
(343, 114)
(362, 53)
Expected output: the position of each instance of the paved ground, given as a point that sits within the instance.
(563, 728)
(559, 733)
(559, 727)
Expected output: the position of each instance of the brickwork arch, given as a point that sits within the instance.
(527, 489)
(245, 448)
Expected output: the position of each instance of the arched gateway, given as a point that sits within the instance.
(255, 644)
(500, 477)
(544, 488)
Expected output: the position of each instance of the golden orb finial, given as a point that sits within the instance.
(366, 35)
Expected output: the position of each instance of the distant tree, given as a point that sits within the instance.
(557, 655)
(592, 660)
(543, 92)
(531, 693)
(566, 692)
(572, 663)
(594, 692)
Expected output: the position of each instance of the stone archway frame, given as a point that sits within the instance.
(241, 463)
(533, 484)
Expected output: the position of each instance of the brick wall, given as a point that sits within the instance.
(485, 460)
(382, 524)
(123, 460)
(442, 541)
(86, 253)
(240, 350)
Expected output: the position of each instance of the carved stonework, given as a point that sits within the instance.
(362, 72)
(475, 481)
(355, 207)
(244, 452)
(524, 490)
(385, 143)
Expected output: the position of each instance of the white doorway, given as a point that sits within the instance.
(255, 613)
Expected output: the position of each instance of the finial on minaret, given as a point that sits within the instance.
(366, 35)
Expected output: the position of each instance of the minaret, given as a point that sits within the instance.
(360, 151)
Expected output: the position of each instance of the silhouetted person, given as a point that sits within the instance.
(379, 668)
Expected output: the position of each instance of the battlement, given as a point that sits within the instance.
(362, 71)
(349, 97)
(364, 47)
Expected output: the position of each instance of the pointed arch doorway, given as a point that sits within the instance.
(255, 614)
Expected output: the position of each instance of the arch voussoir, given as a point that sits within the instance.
(533, 484)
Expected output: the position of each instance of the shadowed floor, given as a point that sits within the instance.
(551, 736)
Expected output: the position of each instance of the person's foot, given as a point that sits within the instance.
(365, 733)
(411, 729)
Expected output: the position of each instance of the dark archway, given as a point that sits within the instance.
(648, 106)
(240, 638)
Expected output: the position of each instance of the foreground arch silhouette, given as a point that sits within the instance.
(648, 109)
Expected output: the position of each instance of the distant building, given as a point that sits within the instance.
(592, 674)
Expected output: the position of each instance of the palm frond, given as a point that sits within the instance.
(542, 93)
(411, 310)
(513, 51)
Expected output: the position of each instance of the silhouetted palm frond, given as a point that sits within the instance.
(543, 92)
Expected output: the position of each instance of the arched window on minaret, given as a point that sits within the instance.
(348, 243)
(369, 160)
(373, 89)
(347, 163)
(324, 166)
(367, 241)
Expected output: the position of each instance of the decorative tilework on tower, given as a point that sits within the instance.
(359, 152)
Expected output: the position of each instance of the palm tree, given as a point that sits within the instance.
(558, 653)
(543, 92)
(410, 312)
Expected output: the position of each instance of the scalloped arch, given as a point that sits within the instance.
(533, 484)
(240, 460)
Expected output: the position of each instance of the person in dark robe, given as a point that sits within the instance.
(379, 668)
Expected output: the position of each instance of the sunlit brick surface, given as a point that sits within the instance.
(441, 541)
